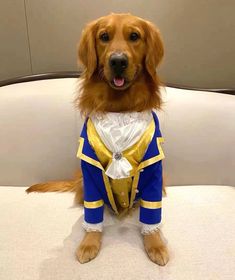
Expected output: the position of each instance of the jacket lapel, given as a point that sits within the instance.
(154, 152)
(85, 151)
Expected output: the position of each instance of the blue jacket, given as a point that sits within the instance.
(148, 181)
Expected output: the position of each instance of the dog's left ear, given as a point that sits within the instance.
(87, 50)
(155, 49)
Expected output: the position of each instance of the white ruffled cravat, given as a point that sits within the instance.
(119, 131)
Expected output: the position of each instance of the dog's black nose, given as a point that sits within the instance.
(118, 62)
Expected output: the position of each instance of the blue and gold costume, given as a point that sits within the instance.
(144, 183)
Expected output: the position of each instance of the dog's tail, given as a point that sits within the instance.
(75, 185)
(54, 186)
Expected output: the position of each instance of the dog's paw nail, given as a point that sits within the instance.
(158, 256)
(86, 254)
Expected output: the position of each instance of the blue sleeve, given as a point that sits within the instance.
(93, 202)
(151, 195)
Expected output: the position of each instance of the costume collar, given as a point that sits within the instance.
(153, 154)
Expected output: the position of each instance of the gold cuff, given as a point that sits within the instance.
(93, 204)
(150, 204)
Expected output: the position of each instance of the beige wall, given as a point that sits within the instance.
(14, 45)
(198, 35)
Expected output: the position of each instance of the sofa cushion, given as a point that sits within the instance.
(40, 232)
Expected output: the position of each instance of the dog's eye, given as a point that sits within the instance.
(134, 36)
(104, 37)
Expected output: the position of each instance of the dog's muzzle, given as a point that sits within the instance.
(118, 62)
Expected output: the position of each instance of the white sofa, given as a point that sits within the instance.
(39, 233)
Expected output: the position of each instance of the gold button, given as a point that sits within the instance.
(124, 203)
(122, 193)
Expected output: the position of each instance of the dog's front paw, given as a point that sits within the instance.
(156, 249)
(89, 247)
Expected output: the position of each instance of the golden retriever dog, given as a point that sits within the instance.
(120, 54)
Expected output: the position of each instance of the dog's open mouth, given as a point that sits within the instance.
(119, 83)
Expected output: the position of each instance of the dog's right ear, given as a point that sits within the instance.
(87, 50)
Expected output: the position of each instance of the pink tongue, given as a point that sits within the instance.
(119, 82)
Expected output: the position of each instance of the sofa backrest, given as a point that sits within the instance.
(39, 130)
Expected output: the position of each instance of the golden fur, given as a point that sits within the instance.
(144, 56)
(99, 95)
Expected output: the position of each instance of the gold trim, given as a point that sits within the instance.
(157, 158)
(109, 192)
(102, 153)
(150, 204)
(136, 152)
(135, 182)
(86, 158)
(133, 154)
(134, 187)
(144, 164)
(93, 204)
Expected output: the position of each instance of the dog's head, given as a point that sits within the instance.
(119, 49)
(120, 45)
